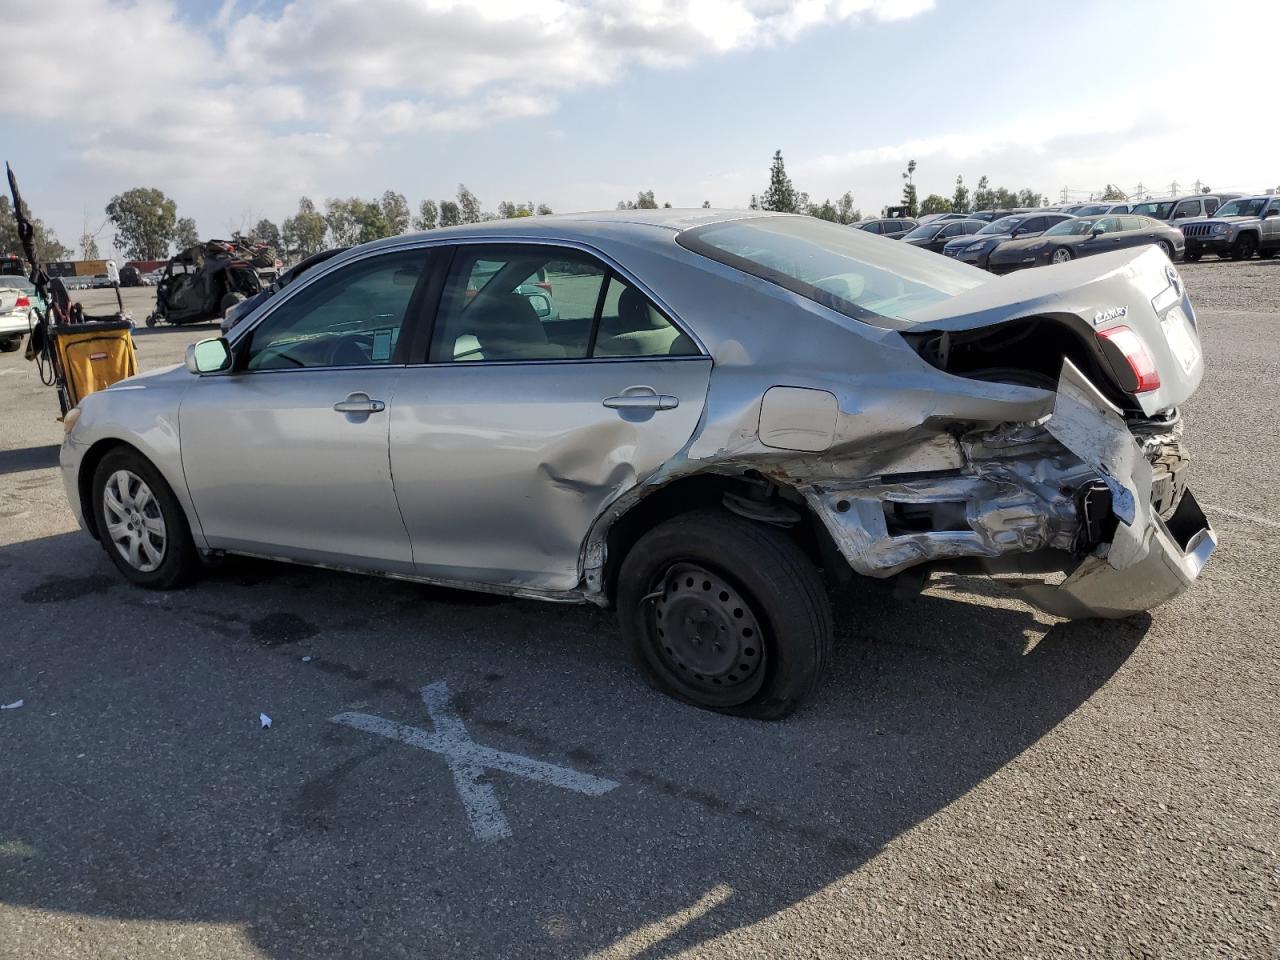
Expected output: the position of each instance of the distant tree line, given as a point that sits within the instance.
(147, 225)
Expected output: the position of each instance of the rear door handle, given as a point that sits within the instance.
(359, 403)
(641, 401)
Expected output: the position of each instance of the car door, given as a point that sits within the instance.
(1106, 237)
(287, 455)
(517, 430)
(949, 232)
(1270, 228)
(1132, 232)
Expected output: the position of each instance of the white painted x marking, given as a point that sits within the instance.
(468, 761)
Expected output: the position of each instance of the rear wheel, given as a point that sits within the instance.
(140, 523)
(1061, 255)
(726, 614)
(1244, 247)
(1167, 247)
(10, 345)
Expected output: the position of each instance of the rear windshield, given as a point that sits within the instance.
(846, 270)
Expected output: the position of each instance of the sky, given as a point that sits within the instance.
(237, 109)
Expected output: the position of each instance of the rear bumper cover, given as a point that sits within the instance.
(1177, 552)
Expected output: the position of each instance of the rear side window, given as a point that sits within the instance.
(530, 302)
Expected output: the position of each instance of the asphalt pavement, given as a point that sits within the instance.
(459, 775)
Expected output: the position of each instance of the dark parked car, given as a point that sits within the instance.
(1241, 228)
(1083, 237)
(893, 227)
(934, 236)
(130, 277)
(977, 248)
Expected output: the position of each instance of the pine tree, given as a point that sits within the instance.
(780, 196)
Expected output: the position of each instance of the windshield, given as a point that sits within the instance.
(924, 232)
(1003, 225)
(1160, 211)
(1244, 207)
(842, 269)
(1070, 228)
(1093, 209)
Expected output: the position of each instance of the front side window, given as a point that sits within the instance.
(1003, 225)
(1187, 208)
(875, 227)
(351, 317)
(529, 302)
(1159, 210)
(835, 266)
(1106, 225)
(927, 231)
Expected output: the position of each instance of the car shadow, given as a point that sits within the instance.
(28, 458)
(140, 788)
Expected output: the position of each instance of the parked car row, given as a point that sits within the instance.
(1004, 241)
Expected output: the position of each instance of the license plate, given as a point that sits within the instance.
(1177, 331)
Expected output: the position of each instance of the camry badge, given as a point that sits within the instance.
(1106, 316)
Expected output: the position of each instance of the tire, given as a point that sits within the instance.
(1244, 247)
(1167, 247)
(1193, 256)
(169, 559)
(727, 582)
(230, 300)
(10, 345)
(151, 319)
(1061, 255)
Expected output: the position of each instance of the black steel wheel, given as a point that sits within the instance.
(10, 345)
(707, 636)
(725, 613)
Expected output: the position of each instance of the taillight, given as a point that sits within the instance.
(22, 302)
(1136, 354)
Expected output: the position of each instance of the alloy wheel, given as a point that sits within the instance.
(134, 521)
(1061, 255)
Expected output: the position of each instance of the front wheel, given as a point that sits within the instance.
(726, 614)
(10, 345)
(140, 523)
(1244, 247)
(1061, 255)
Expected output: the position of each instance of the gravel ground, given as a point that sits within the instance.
(976, 779)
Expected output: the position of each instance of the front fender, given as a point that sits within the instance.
(141, 413)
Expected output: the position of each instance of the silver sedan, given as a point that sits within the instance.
(727, 416)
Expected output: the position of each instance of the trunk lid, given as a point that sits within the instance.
(1142, 291)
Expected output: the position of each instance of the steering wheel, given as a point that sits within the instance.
(351, 350)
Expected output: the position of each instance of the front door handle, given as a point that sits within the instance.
(641, 401)
(359, 403)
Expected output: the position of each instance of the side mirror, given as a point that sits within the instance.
(1095, 232)
(208, 356)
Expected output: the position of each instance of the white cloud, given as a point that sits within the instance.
(267, 104)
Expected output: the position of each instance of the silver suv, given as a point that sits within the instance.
(1240, 228)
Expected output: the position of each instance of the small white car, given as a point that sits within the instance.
(18, 303)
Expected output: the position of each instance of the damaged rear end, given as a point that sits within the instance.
(1088, 502)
